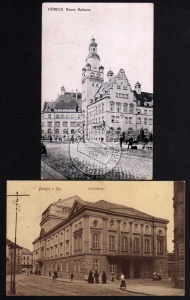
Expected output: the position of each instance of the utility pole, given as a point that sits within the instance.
(13, 287)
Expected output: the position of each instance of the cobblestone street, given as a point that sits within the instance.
(44, 286)
(132, 165)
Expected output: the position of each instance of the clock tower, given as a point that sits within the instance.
(92, 78)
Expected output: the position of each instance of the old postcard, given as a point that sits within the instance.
(94, 238)
(97, 91)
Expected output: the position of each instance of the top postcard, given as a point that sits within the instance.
(97, 91)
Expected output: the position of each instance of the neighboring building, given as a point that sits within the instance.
(171, 265)
(78, 236)
(10, 257)
(179, 233)
(27, 258)
(112, 103)
(60, 119)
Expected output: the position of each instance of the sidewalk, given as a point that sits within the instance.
(48, 172)
(136, 287)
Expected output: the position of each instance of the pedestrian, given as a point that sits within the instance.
(123, 283)
(130, 142)
(121, 141)
(90, 277)
(104, 277)
(96, 276)
(53, 276)
(72, 276)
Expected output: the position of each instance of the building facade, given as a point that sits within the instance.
(179, 233)
(10, 257)
(112, 103)
(27, 258)
(78, 236)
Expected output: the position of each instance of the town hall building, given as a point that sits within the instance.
(78, 236)
(113, 104)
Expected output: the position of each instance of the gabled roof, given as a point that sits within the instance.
(10, 243)
(144, 97)
(26, 251)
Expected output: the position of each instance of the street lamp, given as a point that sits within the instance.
(17, 210)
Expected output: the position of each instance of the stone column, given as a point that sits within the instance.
(118, 237)
(141, 237)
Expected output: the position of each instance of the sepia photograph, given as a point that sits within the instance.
(94, 238)
(97, 91)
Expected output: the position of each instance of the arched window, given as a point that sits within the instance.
(95, 241)
(72, 131)
(130, 131)
(118, 107)
(102, 107)
(118, 130)
(131, 108)
(62, 116)
(57, 116)
(111, 106)
(67, 116)
(125, 107)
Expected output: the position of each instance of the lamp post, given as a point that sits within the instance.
(14, 269)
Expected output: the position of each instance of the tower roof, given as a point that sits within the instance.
(92, 43)
(94, 55)
(137, 83)
(110, 72)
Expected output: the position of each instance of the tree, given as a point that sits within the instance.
(141, 135)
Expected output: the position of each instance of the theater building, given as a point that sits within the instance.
(78, 236)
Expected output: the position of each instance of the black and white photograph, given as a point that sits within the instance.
(97, 91)
(95, 238)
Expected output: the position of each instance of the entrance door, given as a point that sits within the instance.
(137, 269)
(125, 268)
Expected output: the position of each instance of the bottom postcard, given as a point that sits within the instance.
(95, 238)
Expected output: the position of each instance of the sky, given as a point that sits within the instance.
(123, 32)
(151, 197)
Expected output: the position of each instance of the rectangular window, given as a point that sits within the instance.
(150, 121)
(67, 267)
(145, 111)
(160, 247)
(95, 241)
(112, 242)
(49, 124)
(136, 245)
(147, 245)
(138, 120)
(118, 87)
(72, 124)
(117, 119)
(113, 119)
(96, 264)
(57, 124)
(130, 120)
(126, 120)
(67, 247)
(61, 267)
(116, 94)
(146, 269)
(65, 124)
(112, 268)
(124, 244)
(75, 266)
(145, 121)
(49, 116)
(78, 265)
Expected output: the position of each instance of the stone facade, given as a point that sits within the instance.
(112, 103)
(179, 233)
(103, 236)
